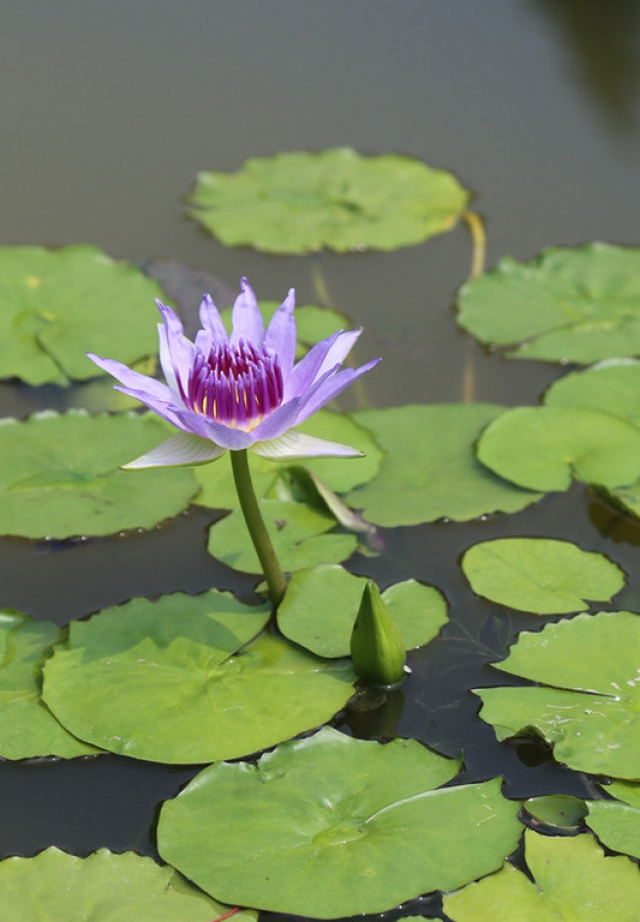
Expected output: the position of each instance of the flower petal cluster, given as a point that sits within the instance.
(229, 393)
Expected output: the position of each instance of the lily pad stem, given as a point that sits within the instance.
(257, 529)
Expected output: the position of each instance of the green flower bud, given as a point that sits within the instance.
(377, 647)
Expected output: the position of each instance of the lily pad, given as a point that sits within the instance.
(613, 387)
(617, 822)
(589, 697)
(331, 826)
(56, 305)
(300, 202)
(540, 575)
(429, 470)
(28, 729)
(299, 535)
(572, 879)
(557, 813)
(542, 448)
(175, 681)
(59, 475)
(104, 887)
(578, 305)
(320, 608)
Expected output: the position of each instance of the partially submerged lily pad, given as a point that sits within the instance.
(300, 202)
(617, 822)
(588, 699)
(565, 305)
(557, 813)
(540, 575)
(56, 305)
(330, 826)
(60, 477)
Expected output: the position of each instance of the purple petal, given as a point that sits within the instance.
(176, 351)
(333, 385)
(299, 445)
(212, 321)
(280, 339)
(133, 379)
(277, 422)
(305, 372)
(224, 436)
(247, 319)
(179, 450)
(339, 350)
(168, 411)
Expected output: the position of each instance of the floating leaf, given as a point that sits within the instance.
(557, 813)
(163, 681)
(613, 387)
(617, 822)
(578, 305)
(28, 729)
(588, 703)
(56, 305)
(59, 475)
(541, 448)
(430, 470)
(300, 202)
(104, 887)
(320, 607)
(572, 879)
(540, 575)
(330, 826)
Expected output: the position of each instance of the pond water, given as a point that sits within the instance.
(112, 111)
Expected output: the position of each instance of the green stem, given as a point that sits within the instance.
(257, 529)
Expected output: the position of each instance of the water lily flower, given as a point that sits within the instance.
(243, 391)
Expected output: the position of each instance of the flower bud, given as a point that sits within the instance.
(377, 647)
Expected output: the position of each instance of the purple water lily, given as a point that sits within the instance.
(229, 393)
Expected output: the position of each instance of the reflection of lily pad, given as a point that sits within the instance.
(578, 305)
(540, 575)
(299, 202)
(588, 702)
(162, 681)
(59, 476)
(330, 826)
(572, 879)
(612, 386)
(320, 607)
(617, 822)
(430, 470)
(56, 305)
(104, 887)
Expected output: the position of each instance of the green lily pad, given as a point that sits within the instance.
(331, 826)
(613, 387)
(300, 202)
(28, 729)
(104, 887)
(313, 323)
(320, 608)
(578, 305)
(429, 470)
(541, 448)
(557, 813)
(298, 534)
(56, 305)
(540, 575)
(617, 822)
(572, 879)
(59, 475)
(589, 697)
(175, 681)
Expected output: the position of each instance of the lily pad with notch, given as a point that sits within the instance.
(617, 822)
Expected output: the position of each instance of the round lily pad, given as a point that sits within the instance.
(59, 475)
(320, 608)
(589, 695)
(541, 448)
(540, 575)
(56, 305)
(612, 386)
(300, 202)
(104, 887)
(330, 826)
(617, 822)
(578, 305)
(429, 470)
(177, 681)
(572, 879)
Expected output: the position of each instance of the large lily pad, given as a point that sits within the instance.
(56, 305)
(578, 305)
(104, 887)
(331, 826)
(572, 879)
(429, 470)
(540, 575)
(299, 202)
(612, 386)
(541, 448)
(320, 608)
(175, 681)
(617, 822)
(27, 728)
(588, 702)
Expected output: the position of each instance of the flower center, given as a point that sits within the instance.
(235, 385)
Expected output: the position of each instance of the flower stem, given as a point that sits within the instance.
(257, 529)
